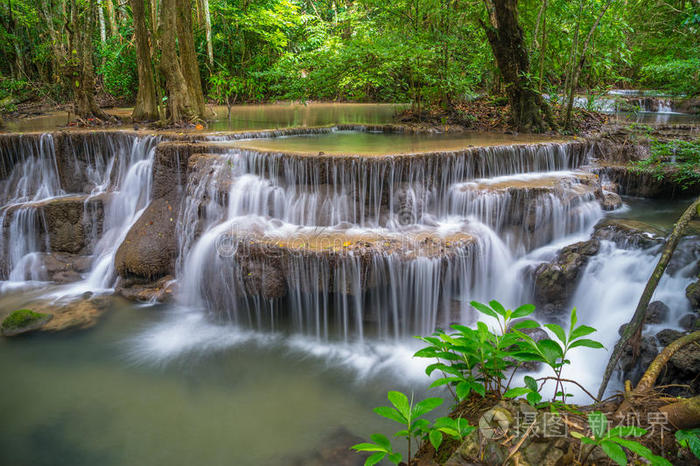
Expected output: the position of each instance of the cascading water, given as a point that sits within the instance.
(286, 203)
(114, 167)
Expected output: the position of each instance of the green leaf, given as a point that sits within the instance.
(528, 323)
(573, 319)
(498, 307)
(581, 331)
(527, 356)
(550, 350)
(614, 451)
(367, 447)
(484, 309)
(642, 451)
(478, 388)
(515, 392)
(690, 439)
(531, 383)
(428, 352)
(426, 406)
(463, 390)
(626, 431)
(522, 311)
(558, 331)
(435, 438)
(395, 458)
(587, 343)
(598, 423)
(533, 398)
(381, 440)
(375, 458)
(390, 413)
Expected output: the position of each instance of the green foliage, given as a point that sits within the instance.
(614, 441)
(117, 67)
(677, 160)
(679, 76)
(21, 318)
(414, 426)
(689, 439)
(553, 353)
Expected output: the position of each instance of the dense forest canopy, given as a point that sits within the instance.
(419, 51)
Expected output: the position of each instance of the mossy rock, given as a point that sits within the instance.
(22, 321)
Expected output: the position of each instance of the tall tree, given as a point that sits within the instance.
(529, 111)
(181, 73)
(80, 69)
(146, 107)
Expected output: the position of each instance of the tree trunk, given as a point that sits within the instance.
(207, 29)
(634, 328)
(111, 18)
(80, 71)
(578, 65)
(188, 56)
(146, 107)
(529, 111)
(101, 16)
(181, 107)
(684, 414)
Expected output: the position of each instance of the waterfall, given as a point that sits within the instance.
(38, 172)
(355, 247)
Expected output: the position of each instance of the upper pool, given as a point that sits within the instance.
(376, 143)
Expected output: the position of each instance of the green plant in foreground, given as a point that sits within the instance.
(554, 353)
(475, 360)
(689, 439)
(410, 416)
(612, 441)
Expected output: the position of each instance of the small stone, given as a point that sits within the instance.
(611, 201)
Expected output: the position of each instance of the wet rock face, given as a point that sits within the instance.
(150, 246)
(657, 312)
(58, 316)
(145, 291)
(683, 367)
(556, 281)
(645, 184)
(628, 233)
(66, 224)
(692, 292)
(633, 366)
(610, 201)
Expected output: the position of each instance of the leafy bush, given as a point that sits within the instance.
(612, 441)
(681, 76)
(676, 160)
(117, 67)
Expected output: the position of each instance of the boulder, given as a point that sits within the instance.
(667, 336)
(150, 247)
(689, 322)
(633, 366)
(144, 291)
(657, 312)
(52, 316)
(692, 292)
(682, 369)
(610, 201)
(556, 281)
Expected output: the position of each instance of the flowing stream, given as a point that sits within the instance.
(305, 265)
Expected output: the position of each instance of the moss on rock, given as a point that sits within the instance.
(23, 320)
